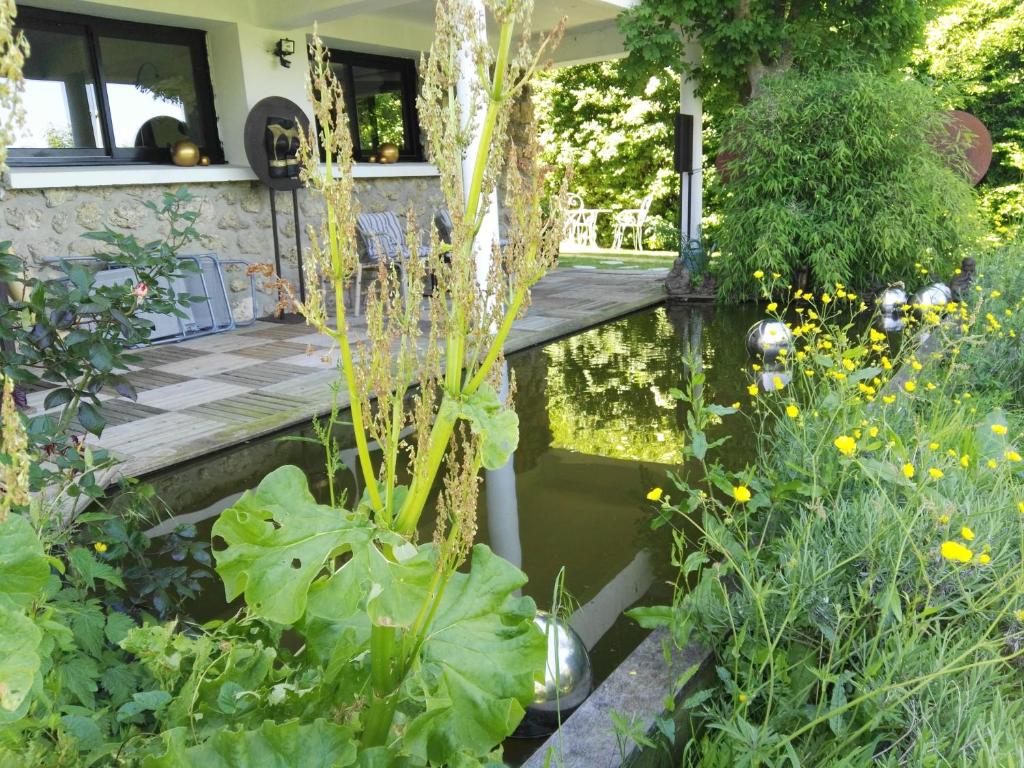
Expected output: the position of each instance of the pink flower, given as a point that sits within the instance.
(139, 292)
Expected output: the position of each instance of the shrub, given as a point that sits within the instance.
(861, 586)
(834, 179)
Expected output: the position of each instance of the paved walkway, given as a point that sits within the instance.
(204, 394)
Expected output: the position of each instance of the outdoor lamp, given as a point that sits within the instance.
(285, 48)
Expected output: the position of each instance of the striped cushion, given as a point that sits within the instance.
(382, 236)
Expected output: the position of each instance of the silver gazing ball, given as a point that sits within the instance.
(568, 678)
(891, 323)
(774, 379)
(767, 338)
(892, 300)
(934, 296)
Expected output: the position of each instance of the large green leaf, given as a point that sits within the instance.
(19, 659)
(319, 744)
(496, 424)
(477, 666)
(24, 569)
(278, 540)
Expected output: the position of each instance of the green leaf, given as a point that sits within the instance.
(497, 425)
(278, 540)
(478, 662)
(78, 675)
(319, 744)
(84, 730)
(24, 570)
(101, 358)
(146, 701)
(19, 658)
(118, 627)
(90, 418)
(699, 445)
(652, 617)
(90, 569)
(58, 397)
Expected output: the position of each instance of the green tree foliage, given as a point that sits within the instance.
(976, 50)
(834, 179)
(742, 41)
(616, 135)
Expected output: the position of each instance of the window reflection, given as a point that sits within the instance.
(151, 92)
(60, 93)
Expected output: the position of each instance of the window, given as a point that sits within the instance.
(99, 90)
(380, 97)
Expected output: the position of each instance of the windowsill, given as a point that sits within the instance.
(57, 177)
(49, 177)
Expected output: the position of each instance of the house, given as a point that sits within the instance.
(112, 84)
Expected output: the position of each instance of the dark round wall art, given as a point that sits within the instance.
(272, 141)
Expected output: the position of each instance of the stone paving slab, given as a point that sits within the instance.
(209, 393)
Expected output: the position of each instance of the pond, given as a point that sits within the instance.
(598, 430)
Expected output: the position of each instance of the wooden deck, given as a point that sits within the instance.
(209, 393)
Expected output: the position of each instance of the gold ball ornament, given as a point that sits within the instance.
(388, 152)
(204, 160)
(372, 159)
(185, 154)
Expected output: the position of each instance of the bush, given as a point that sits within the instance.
(861, 586)
(834, 179)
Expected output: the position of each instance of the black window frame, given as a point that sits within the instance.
(93, 28)
(410, 116)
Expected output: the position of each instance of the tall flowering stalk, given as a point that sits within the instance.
(453, 424)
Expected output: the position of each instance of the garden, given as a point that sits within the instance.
(835, 502)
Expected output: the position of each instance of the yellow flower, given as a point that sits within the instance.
(967, 533)
(933, 446)
(1012, 456)
(954, 550)
(777, 382)
(908, 471)
(736, 405)
(1020, 507)
(742, 698)
(772, 306)
(876, 335)
(758, 274)
(848, 364)
(999, 429)
(984, 559)
(792, 411)
(752, 390)
(846, 445)
(910, 386)
(995, 294)
(1019, 615)
(825, 298)
(915, 365)
(991, 464)
(935, 472)
(99, 546)
(888, 399)
(965, 461)
(654, 494)
(943, 519)
(886, 363)
(741, 493)
(873, 431)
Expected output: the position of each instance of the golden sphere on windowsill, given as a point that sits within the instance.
(185, 154)
(204, 160)
(388, 152)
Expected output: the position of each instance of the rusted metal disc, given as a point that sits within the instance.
(964, 128)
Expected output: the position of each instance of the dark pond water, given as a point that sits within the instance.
(598, 430)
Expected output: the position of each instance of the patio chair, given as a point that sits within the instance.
(383, 239)
(580, 222)
(632, 218)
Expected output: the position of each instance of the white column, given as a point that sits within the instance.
(690, 104)
(473, 114)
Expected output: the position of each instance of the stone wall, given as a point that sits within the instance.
(234, 221)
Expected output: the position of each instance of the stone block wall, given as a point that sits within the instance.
(235, 221)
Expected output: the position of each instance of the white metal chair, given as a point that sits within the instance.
(580, 222)
(632, 218)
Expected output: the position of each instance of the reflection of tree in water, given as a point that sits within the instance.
(530, 369)
(608, 388)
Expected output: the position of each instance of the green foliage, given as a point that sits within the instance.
(740, 42)
(975, 52)
(834, 179)
(841, 631)
(615, 133)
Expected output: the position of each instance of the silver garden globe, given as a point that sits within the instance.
(767, 338)
(892, 300)
(568, 678)
(934, 296)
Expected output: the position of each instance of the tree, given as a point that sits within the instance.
(975, 53)
(616, 134)
(743, 40)
(835, 178)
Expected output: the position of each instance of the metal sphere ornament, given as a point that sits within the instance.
(767, 338)
(773, 379)
(892, 323)
(935, 296)
(185, 153)
(892, 300)
(568, 678)
(388, 152)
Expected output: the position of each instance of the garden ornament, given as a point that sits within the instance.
(767, 338)
(568, 678)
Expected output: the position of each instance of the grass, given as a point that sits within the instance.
(862, 584)
(606, 258)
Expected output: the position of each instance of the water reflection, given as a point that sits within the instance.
(598, 429)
